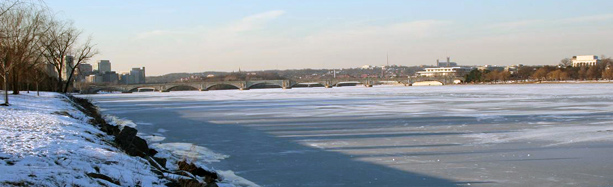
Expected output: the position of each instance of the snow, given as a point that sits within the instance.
(556, 135)
(229, 177)
(48, 142)
(189, 151)
(177, 151)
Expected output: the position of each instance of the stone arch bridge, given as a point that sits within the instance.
(245, 85)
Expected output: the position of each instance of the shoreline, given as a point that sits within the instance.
(53, 130)
(185, 163)
(179, 172)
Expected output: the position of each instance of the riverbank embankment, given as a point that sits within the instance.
(60, 140)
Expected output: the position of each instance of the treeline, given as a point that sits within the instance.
(562, 72)
(35, 47)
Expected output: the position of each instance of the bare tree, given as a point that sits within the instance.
(37, 75)
(57, 44)
(541, 74)
(29, 37)
(5, 7)
(593, 72)
(582, 73)
(20, 29)
(492, 76)
(607, 73)
(566, 62)
(554, 75)
(82, 54)
(504, 76)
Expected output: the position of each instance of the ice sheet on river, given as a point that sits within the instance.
(488, 135)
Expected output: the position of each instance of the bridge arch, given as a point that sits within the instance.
(139, 88)
(106, 88)
(347, 83)
(307, 84)
(181, 87)
(222, 86)
(265, 85)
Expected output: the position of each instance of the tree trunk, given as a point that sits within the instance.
(28, 87)
(59, 85)
(15, 84)
(67, 84)
(37, 90)
(6, 90)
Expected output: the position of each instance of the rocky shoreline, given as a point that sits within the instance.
(125, 138)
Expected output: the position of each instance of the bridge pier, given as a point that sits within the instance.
(244, 89)
(368, 85)
(328, 86)
(287, 88)
(202, 90)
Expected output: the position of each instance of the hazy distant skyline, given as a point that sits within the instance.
(196, 36)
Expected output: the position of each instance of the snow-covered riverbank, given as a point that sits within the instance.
(47, 141)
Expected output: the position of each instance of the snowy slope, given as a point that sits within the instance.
(47, 142)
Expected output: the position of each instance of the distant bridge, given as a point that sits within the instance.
(246, 85)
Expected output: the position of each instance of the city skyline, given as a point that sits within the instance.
(169, 37)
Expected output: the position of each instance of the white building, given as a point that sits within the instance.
(585, 60)
(367, 67)
(444, 72)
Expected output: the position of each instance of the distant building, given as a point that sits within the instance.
(50, 69)
(86, 69)
(585, 60)
(446, 64)
(104, 74)
(444, 72)
(490, 68)
(110, 77)
(137, 76)
(124, 78)
(104, 66)
(445, 69)
(83, 70)
(513, 69)
(95, 78)
(367, 67)
(68, 66)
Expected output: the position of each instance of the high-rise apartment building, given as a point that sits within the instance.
(137, 75)
(104, 66)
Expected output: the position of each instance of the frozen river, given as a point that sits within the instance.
(482, 135)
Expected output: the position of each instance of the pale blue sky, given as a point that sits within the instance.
(196, 36)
